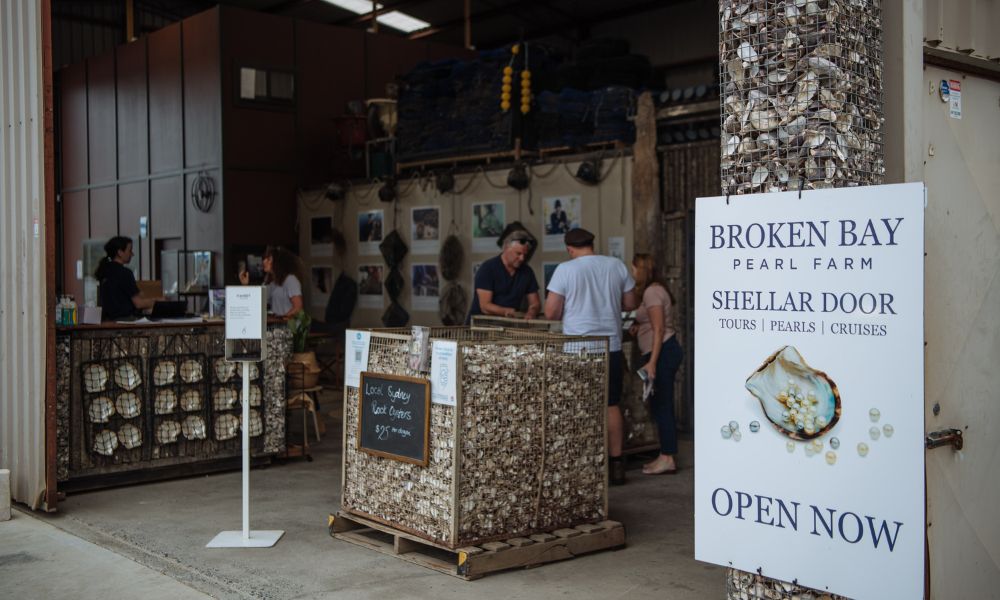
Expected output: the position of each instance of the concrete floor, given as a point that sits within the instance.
(165, 526)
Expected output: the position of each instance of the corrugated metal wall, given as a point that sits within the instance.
(22, 251)
(965, 26)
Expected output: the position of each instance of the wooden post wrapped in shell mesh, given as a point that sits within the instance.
(801, 94)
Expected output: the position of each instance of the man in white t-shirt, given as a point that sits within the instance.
(589, 294)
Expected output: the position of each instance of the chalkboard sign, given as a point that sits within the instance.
(394, 417)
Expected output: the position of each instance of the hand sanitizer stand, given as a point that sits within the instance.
(246, 324)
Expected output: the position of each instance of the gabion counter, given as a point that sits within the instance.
(139, 402)
(522, 451)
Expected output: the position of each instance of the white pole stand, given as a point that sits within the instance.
(246, 538)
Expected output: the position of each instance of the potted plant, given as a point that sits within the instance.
(303, 369)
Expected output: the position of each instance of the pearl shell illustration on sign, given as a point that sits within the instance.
(800, 401)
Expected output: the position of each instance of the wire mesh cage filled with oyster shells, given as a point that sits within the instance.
(521, 452)
(114, 410)
(180, 410)
(226, 403)
(801, 98)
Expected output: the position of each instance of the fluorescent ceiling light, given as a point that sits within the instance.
(402, 21)
(394, 19)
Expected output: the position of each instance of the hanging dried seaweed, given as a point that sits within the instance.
(394, 284)
(393, 249)
(395, 316)
(452, 258)
(453, 304)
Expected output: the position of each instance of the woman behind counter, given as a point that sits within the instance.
(119, 295)
(284, 290)
(661, 357)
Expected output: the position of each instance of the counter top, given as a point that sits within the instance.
(106, 325)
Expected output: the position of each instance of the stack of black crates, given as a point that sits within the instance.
(452, 108)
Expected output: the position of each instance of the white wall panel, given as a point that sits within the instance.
(962, 327)
(22, 251)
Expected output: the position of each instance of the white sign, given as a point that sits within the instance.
(809, 396)
(955, 99)
(356, 357)
(444, 372)
(616, 248)
(244, 316)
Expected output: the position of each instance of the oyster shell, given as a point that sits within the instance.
(191, 400)
(224, 399)
(193, 427)
(164, 372)
(105, 442)
(191, 371)
(224, 370)
(800, 401)
(130, 436)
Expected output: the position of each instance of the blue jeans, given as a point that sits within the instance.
(662, 403)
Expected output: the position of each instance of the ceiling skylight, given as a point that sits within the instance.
(394, 19)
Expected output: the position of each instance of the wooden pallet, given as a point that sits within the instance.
(473, 562)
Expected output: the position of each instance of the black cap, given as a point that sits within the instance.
(579, 238)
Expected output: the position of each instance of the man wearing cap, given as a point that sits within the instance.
(589, 293)
(505, 281)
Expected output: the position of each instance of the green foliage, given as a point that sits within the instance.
(299, 326)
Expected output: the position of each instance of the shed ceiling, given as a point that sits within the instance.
(494, 22)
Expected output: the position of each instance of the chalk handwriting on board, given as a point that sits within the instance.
(394, 417)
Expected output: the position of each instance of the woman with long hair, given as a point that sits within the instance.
(118, 293)
(661, 356)
(284, 288)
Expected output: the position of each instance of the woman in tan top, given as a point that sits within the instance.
(661, 357)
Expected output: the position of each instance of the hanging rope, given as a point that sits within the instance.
(502, 186)
(363, 198)
(551, 170)
(472, 178)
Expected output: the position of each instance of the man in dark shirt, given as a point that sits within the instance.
(505, 281)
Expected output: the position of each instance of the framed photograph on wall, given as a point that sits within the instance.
(616, 248)
(321, 236)
(370, 227)
(370, 279)
(488, 221)
(559, 215)
(426, 284)
(425, 229)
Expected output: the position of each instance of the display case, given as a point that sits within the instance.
(185, 272)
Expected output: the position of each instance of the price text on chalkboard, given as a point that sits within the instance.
(394, 417)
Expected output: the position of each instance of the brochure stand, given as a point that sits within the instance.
(246, 314)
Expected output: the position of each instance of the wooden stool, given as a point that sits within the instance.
(305, 400)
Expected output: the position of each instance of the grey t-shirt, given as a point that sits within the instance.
(592, 287)
(280, 296)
